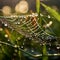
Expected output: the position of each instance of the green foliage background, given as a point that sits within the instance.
(12, 47)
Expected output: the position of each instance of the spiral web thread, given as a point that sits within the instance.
(31, 21)
(16, 22)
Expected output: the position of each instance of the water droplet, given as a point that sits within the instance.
(41, 14)
(1, 29)
(49, 16)
(5, 25)
(32, 50)
(15, 46)
(58, 47)
(23, 43)
(18, 38)
(6, 35)
(22, 47)
(8, 40)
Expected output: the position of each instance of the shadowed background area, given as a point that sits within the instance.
(12, 3)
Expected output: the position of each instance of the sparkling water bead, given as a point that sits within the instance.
(51, 38)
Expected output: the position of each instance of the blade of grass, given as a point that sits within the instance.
(38, 11)
(53, 12)
(45, 56)
(38, 6)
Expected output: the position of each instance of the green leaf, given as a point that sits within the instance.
(53, 12)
